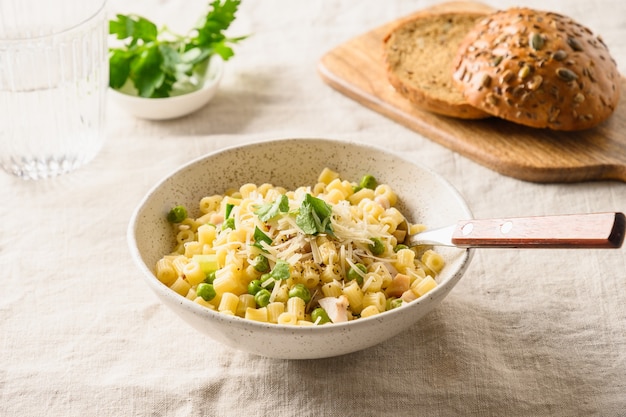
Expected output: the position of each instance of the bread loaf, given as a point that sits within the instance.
(419, 55)
(539, 69)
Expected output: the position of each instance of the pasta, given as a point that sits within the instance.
(268, 254)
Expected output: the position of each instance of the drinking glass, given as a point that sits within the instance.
(53, 82)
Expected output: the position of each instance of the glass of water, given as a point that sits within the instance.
(53, 81)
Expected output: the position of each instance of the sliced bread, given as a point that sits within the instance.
(419, 55)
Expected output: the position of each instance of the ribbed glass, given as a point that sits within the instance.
(53, 81)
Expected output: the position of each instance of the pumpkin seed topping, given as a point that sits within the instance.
(579, 98)
(485, 81)
(566, 74)
(536, 41)
(574, 44)
(559, 55)
(506, 76)
(524, 72)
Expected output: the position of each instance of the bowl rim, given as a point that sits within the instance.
(216, 65)
(239, 322)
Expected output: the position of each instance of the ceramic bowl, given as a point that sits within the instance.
(423, 195)
(174, 106)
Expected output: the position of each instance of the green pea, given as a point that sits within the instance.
(264, 281)
(228, 224)
(400, 247)
(206, 291)
(300, 291)
(368, 181)
(377, 247)
(254, 286)
(210, 277)
(319, 316)
(177, 214)
(262, 298)
(261, 264)
(353, 274)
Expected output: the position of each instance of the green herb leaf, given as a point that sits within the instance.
(119, 68)
(270, 210)
(314, 216)
(155, 64)
(280, 271)
(229, 224)
(135, 27)
(259, 237)
(216, 21)
(306, 219)
(147, 72)
(228, 210)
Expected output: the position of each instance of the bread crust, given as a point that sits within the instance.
(539, 69)
(419, 53)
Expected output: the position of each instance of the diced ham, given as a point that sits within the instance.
(399, 284)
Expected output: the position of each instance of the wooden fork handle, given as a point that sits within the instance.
(596, 230)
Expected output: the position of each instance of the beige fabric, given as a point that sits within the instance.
(525, 333)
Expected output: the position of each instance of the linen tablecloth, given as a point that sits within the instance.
(524, 333)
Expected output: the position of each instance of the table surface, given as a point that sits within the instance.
(524, 333)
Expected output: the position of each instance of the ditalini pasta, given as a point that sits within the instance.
(326, 253)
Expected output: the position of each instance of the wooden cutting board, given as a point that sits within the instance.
(355, 68)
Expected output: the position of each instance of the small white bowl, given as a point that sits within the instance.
(423, 195)
(175, 106)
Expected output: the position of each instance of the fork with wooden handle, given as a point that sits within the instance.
(591, 231)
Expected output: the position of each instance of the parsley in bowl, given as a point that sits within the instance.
(147, 63)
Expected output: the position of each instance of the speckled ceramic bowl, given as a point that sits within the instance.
(423, 195)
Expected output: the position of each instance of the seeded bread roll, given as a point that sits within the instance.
(538, 69)
(419, 54)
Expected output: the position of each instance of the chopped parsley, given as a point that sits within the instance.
(314, 216)
(270, 210)
(259, 237)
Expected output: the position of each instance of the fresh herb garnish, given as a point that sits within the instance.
(259, 237)
(270, 210)
(280, 271)
(314, 216)
(155, 60)
(228, 209)
(229, 222)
